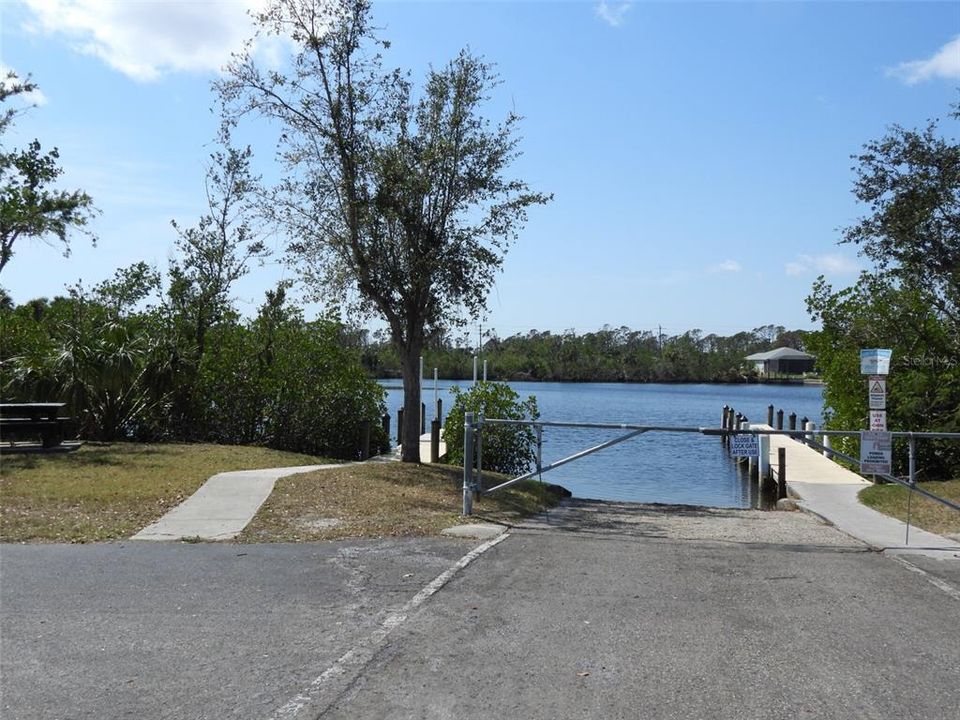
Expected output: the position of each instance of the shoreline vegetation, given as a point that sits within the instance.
(386, 381)
(607, 355)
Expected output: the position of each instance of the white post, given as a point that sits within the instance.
(764, 466)
(809, 427)
(484, 370)
(826, 447)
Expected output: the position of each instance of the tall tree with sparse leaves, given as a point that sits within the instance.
(396, 202)
(30, 207)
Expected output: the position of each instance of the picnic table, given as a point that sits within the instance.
(33, 421)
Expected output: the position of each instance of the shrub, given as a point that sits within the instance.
(509, 449)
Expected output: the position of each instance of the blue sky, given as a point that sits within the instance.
(699, 153)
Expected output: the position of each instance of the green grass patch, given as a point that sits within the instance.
(924, 513)
(383, 499)
(110, 491)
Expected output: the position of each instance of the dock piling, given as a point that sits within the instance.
(435, 441)
(781, 473)
(364, 439)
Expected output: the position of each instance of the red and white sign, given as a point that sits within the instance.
(878, 420)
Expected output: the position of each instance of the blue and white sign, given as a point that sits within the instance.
(875, 362)
(744, 446)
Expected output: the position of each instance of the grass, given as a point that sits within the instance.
(924, 513)
(110, 491)
(382, 500)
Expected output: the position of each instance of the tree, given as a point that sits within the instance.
(395, 203)
(216, 252)
(910, 300)
(910, 180)
(212, 256)
(29, 207)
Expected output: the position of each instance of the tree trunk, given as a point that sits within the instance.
(410, 362)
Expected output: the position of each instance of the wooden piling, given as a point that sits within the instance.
(793, 421)
(770, 415)
(780, 419)
(781, 473)
(435, 441)
(364, 439)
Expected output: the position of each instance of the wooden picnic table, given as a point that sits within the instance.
(32, 420)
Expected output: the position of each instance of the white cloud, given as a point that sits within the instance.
(612, 13)
(34, 97)
(795, 269)
(945, 63)
(147, 39)
(826, 264)
(726, 266)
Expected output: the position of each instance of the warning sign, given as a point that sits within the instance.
(878, 420)
(877, 388)
(876, 451)
(744, 446)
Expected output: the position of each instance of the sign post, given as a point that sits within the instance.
(876, 446)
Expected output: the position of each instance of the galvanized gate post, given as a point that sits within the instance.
(468, 463)
(478, 440)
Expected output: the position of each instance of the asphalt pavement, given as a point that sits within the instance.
(596, 610)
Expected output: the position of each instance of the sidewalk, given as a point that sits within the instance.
(830, 491)
(222, 507)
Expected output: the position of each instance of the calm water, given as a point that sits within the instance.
(654, 467)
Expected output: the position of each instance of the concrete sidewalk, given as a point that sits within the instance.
(222, 507)
(830, 491)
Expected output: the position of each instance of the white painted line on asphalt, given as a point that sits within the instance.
(933, 580)
(365, 649)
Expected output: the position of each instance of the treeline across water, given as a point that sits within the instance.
(607, 355)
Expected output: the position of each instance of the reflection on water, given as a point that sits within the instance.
(682, 468)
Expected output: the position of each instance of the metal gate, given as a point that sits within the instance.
(473, 470)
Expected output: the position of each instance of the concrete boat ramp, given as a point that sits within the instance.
(227, 502)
